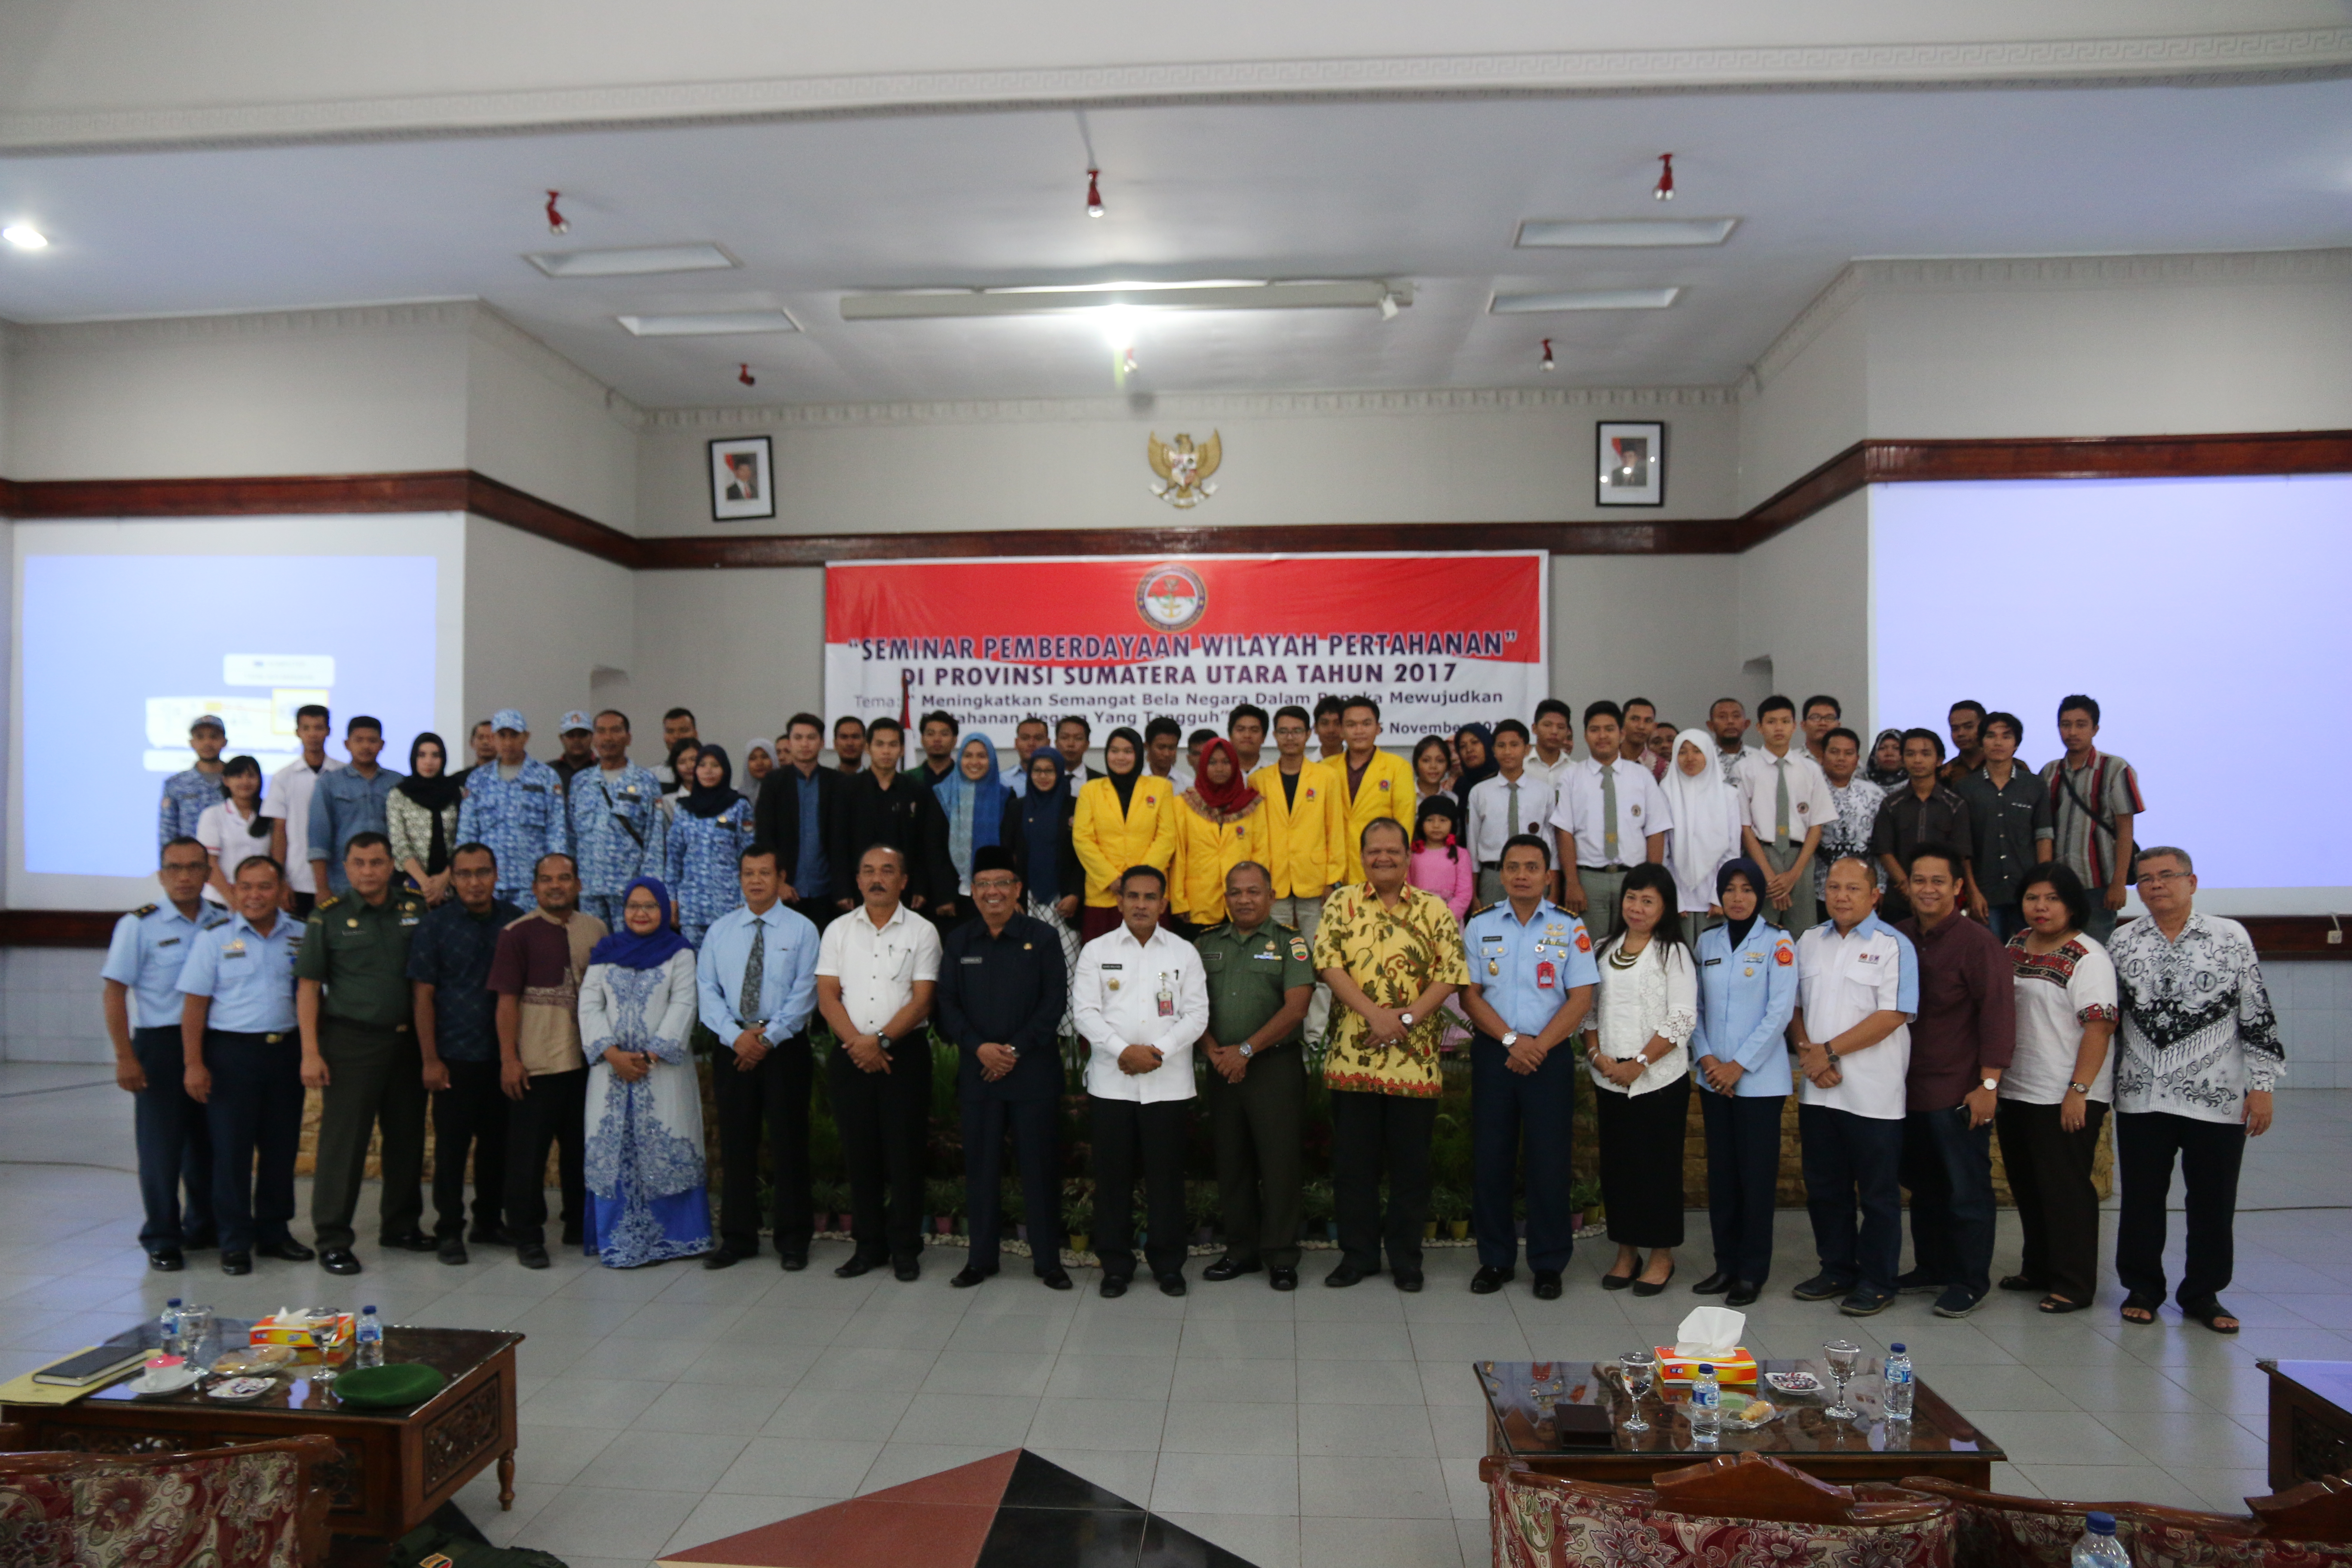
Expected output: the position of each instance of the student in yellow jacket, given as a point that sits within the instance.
(1382, 787)
(1126, 817)
(1303, 824)
(1221, 822)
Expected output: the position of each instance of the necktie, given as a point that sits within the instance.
(1781, 804)
(755, 974)
(1513, 786)
(1609, 815)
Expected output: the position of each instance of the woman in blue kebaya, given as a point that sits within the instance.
(706, 837)
(648, 1200)
(1746, 991)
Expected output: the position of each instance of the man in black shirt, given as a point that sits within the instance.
(939, 731)
(1002, 992)
(457, 1038)
(887, 806)
(800, 795)
(1926, 811)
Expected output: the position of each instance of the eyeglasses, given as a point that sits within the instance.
(994, 884)
(2148, 876)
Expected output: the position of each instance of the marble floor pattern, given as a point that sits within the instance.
(667, 1408)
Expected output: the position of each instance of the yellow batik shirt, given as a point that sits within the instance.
(1394, 955)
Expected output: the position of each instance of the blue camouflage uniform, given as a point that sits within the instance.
(342, 807)
(521, 818)
(149, 949)
(701, 860)
(186, 796)
(619, 833)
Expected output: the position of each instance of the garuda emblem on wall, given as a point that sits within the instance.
(1185, 468)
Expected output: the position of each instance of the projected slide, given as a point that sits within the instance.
(2206, 616)
(120, 652)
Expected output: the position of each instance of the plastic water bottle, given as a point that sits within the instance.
(167, 1325)
(2098, 1547)
(1900, 1385)
(370, 1339)
(1706, 1406)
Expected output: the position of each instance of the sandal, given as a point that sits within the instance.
(2213, 1314)
(2055, 1302)
(2144, 1303)
(2019, 1282)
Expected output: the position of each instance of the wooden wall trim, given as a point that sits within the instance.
(501, 502)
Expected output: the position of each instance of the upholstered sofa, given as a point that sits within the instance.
(252, 1506)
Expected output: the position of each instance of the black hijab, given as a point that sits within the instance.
(701, 802)
(1740, 865)
(1124, 782)
(1044, 827)
(436, 794)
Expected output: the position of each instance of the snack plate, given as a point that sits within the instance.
(238, 1390)
(1734, 1406)
(1794, 1382)
(155, 1385)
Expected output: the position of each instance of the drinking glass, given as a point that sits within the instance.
(196, 1323)
(1638, 1368)
(1842, 1356)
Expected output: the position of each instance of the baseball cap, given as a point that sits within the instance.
(575, 719)
(510, 719)
(201, 719)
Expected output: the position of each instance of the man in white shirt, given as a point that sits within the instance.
(875, 971)
(1857, 991)
(1140, 999)
(1727, 721)
(1554, 752)
(287, 804)
(1610, 816)
(1513, 800)
(1785, 805)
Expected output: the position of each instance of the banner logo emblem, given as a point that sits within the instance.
(1172, 598)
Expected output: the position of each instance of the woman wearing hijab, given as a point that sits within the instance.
(648, 1195)
(759, 762)
(1218, 826)
(1126, 817)
(1644, 1016)
(1706, 819)
(1474, 744)
(706, 839)
(421, 817)
(1038, 835)
(232, 828)
(1746, 991)
(1885, 768)
(972, 797)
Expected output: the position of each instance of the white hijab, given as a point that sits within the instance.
(1705, 817)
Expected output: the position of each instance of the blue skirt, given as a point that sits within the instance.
(630, 1230)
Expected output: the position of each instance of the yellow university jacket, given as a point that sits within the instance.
(1109, 843)
(1302, 839)
(1205, 851)
(1387, 791)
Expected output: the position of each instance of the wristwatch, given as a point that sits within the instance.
(1510, 1039)
(1991, 1083)
(2080, 1088)
(883, 1041)
(1244, 1048)
(1406, 1019)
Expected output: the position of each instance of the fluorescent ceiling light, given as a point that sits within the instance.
(1583, 300)
(1540, 234)
(707, 324)
(632, 262)
(1364, 293)
(25, 236)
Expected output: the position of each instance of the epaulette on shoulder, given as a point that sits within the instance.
(216, 924)
(326, 903)
(1477, 909)
(144, 911)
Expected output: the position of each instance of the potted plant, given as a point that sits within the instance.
(940, 1197)
(1449, 1207)
(1078, 1220)
(1317, 1209)
(1584, 1201)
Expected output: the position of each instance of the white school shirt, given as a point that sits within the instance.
(1115, 1002)
(228, 838)
(1490, 812)
(879, 966)
(1641, 810)
(1841, 981)
(1810, 804)
(289, 796)
(1551, 772)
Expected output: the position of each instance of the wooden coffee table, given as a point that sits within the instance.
(2311, 1420)
(1937, 1441)
(396, 1466)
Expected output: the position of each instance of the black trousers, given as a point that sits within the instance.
(1854, 1163)
(175, 1146)
(883, 1118)
(1642, 1163)
(1127, 1135)
(255, 1117)
(775, 1096)
(2057, 1208)
(2209, 1152)
(374, 1080)
(1743, 1177)
(552, 1114)
(1506, 1109)
(1257, 1126)
(1947, 1166)
(1033, 1125)
(470, 1115)
(1369, 1132)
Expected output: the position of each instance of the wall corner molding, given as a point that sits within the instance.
(428, 315)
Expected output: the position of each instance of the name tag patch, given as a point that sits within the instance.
(970, 961)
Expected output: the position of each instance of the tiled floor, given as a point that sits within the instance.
(668, 1408)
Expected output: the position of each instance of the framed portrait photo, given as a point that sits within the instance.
(743, 479)
(1631, 464)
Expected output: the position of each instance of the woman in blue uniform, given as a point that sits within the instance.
(1746, 990)
(706, 839)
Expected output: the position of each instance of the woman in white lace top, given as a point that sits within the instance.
(1639, 1058)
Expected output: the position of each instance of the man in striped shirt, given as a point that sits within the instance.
(2094, 797)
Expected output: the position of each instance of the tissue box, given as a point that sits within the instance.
(315, 1338)
(1736, 1368)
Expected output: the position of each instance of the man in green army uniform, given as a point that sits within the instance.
(359, 1049)
(1260, 981)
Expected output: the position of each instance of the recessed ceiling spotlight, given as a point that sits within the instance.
(25, 236)
(1583, 300)
(1543, 234)
(631, 261)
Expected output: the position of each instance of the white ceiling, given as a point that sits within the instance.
(1428, 192)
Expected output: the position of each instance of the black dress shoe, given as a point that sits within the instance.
(1615, 1281)
(286, 1251)
(339, 1260)
(1652, 1287)
(451, 1250)
(1487, 1281)
(853, 1269)
(970, 1276)
(716, 1257)
(906, 1273)
(414, 1241)
(1743, 1293)
(793, 1262)
(166, 1259)
(237, 1263)
(1172, 1284)
(1282, 1279)
(1225, 1268)
(1346, 1274)
(1056, 1280)
(1715, 1284)
(1407, 1279)
(1113, 1287)
(531, 1255)
(1547, 1284)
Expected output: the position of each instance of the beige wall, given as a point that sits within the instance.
(1803, 603)
(539, 422)
(540, 619)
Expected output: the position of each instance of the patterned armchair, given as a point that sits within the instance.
(253, 1506)
(2310, 1527)
(1752, 1511)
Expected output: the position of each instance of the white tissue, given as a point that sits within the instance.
(1710, 1330)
